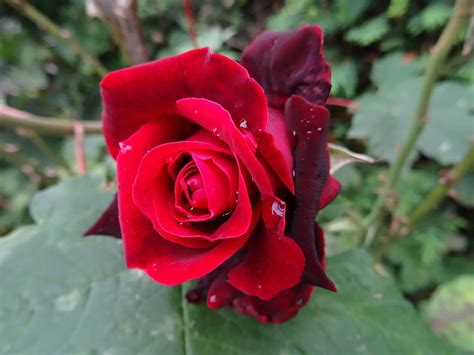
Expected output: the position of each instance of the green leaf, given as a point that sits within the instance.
(340, 156)
(64, 294)
(464, 191)
(344, 79)
(392, 69)
(384, 120)
(450, 312)
(397, 8)
(370, 32)
(433, 17)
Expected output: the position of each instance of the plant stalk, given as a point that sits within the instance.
(439, 53)
(13, 118)
(435, 196)
(45, 23)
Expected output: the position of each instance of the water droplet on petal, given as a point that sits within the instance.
(278, 208)
(124, 147)
(213, 299)
(243, 123)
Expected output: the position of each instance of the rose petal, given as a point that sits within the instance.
(174, 264)
(330, 191)
(108, 222)
(273, 263)
(216, 119)
(274, 145)
(309, 124)
(154, 199)
(144, 248)
(289, 63)
(279, 309)
(140, 94)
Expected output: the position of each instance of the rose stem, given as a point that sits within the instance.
(439, 53)
(45, 23)
(189, 16)
(10, 117)
(445, 183)
(125, 28)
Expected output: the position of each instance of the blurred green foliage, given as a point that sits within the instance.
(377, 51)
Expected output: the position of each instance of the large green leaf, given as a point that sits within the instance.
(450, 311)
(64, 294)
(385, 117)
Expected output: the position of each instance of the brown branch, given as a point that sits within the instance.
(79, 148)
(191, 28)
(13, 118)
(122, 19)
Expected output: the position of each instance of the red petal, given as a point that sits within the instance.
(310, 124)
(289, 63)
(165, 262)
(279, 309)
(217, 120)
(274, 145)
(108, 222)
(174, 264)
(330, 191)
(273, 263)
(155, 198)
(140, 94)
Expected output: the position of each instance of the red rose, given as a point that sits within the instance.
(221, 173)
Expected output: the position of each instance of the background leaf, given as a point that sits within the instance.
(64, 294)
(450, 312)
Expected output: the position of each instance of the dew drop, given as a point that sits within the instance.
(124, 147)
(278, 208)
(243, 123)
(213, 299)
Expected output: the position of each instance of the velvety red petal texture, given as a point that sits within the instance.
(289, 63)
(108, 222)
(279, 309)
(217, 120)
(166, 262)
(330, 191)
(140, 94)
(273, 263)
(310, 124)
(274, 143)
(221, 172)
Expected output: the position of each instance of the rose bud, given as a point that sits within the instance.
(221, 170)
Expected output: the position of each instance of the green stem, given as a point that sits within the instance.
(13, 118)
(45, 23)
(436, 195)
(440, 51)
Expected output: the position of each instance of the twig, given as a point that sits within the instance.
(10, 117)
(338, 101)
(79, 148)
(191, 29)
(125, 27)
(439, 53)
(436, 195)
(45, 23)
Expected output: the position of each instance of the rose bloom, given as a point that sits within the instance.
(222, 168)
